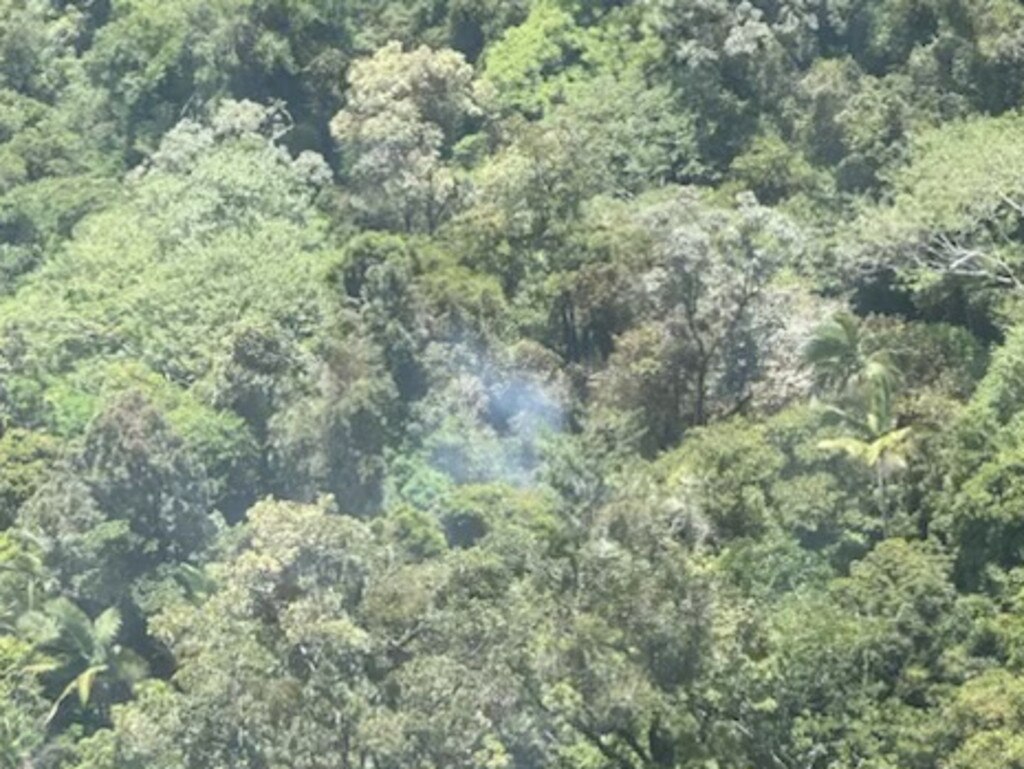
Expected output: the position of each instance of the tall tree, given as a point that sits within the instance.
(405, 111)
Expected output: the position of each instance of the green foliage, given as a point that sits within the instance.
(85, 654)
(22, 710)
(405, 112)
(187, 226)
(772, 170)
(728, 471)
(932, 230)
(978, 508)
(25, 458)
(131, 499)
(523, 68)
(520, 384)
(706, 286)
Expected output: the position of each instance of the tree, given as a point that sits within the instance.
(865, 386)
(331, 437)
(977, 509)
(273, 665)
(216, 194)
(86, 658)
(522, 67)
(131, 500)
(883, 453)
(25, 457)
(22, 706)
(964, 234)
(843, 364)
(704, 291)
(731, 64)
(459, 383)
(853, 125)
(378, 272)
(156, 63)
(728, 470)
(405, 112)
(985, 718)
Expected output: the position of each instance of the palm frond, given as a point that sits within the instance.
(106, 627)
(852, 447)
(76, 632)
(889, 446)
(81, 686)
(833, 352)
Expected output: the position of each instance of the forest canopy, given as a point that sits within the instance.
(511, 384)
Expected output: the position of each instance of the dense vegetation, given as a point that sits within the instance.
(511, 384)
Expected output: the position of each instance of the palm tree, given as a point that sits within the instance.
(865, 385)
(840, 363)
(83, 653)
(834, 351)
(884, 454)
